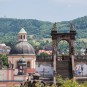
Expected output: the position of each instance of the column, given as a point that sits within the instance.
(54, 59)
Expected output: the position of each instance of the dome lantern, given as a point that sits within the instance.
(22, 35)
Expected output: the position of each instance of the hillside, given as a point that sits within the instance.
(39, 29)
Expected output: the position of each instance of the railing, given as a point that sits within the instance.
(49, 58)
(63, 57)
(77, 57)
(82, 57)
(44, 58)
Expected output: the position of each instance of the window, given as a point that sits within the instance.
(21, 36)
(28, 64)
(17, 64)
(24, 36)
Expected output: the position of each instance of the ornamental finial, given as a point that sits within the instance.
(54, 27)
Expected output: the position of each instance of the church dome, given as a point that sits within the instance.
(22, 47)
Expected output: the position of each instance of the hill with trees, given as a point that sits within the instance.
(37, 30)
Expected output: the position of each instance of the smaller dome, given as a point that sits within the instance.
(36, 74)
(22, 59)
(22, 31)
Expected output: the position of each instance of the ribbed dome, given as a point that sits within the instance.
(22, 48)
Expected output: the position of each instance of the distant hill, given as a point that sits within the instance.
(9, 28)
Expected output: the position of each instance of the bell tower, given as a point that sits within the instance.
(22, 35)
(63, 65)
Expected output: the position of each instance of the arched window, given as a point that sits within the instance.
(28, 64)
(63, 48)
(24, 36)
(21, 36)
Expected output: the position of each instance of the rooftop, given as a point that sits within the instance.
(22, 30)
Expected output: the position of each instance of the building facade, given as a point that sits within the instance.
(21, 61)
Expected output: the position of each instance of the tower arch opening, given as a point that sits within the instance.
(63, 48)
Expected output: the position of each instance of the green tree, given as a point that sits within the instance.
(4, 59)
(43, 54)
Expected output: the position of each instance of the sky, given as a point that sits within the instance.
(44, 10)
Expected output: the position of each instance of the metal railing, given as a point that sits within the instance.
(49, 58)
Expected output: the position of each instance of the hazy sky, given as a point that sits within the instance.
(45, 10)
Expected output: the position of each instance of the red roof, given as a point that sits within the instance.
(30, 71)
(49, 52)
